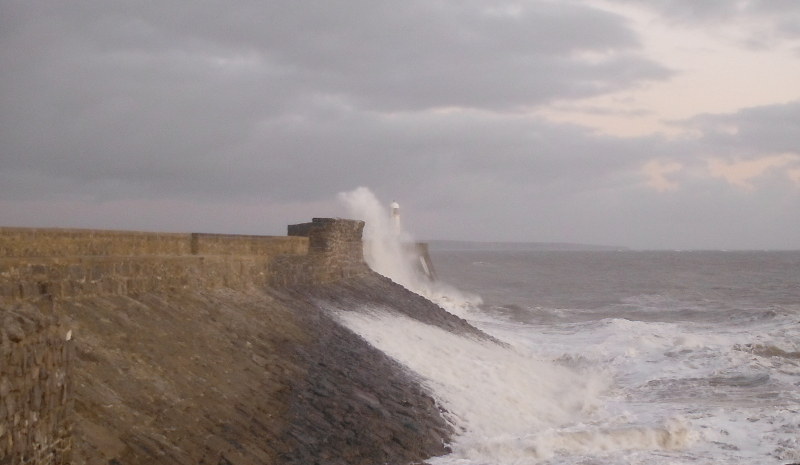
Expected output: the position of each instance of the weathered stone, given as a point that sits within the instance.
(12, 329)
(260, 361)
(34, 432)
(203, 348)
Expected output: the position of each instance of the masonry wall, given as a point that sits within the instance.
(42, 266)
(35, 400)
(44, 242)
(72, 277)
(51, 243)
(70, 263)
(335, 252)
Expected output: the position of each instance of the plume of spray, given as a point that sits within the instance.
(383, 241)
(388, 251)
(508, 405)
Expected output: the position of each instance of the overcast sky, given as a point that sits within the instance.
(640, 123)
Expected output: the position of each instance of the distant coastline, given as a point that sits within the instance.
(450, 245)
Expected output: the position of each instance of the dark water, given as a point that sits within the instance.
(702, 349)
(683, 283)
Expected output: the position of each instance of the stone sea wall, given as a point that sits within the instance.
(203, 348)
(51, 243)
(52, 263)
(335, 252)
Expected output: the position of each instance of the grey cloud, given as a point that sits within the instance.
(751, 131)
(776, 18)
(692, 11)
(385, 54)
(241, 98)
(294, 101)
(702, 213)
(719, 9)
(327, 149)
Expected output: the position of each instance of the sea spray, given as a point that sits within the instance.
(387, 252)
(477, 379)
(383, 241)
(509, 406)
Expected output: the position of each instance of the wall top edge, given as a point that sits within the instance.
(23, 229)
(18, 229)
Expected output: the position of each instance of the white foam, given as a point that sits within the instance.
(387, 251)
(508, 404)
(588, 386)
(736, 407)
(384, 249)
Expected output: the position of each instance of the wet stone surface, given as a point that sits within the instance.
(248, 377)
(175, 357)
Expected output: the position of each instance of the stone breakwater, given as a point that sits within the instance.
(204, 349)
(47, 263)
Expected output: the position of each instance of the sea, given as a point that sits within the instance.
(609, 357)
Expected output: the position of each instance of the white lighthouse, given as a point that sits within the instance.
(395, 208)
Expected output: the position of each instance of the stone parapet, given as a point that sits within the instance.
(251, 246)
(70, 263)
(50, 243)
(335, 251)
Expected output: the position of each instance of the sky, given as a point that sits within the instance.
(652, 124)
